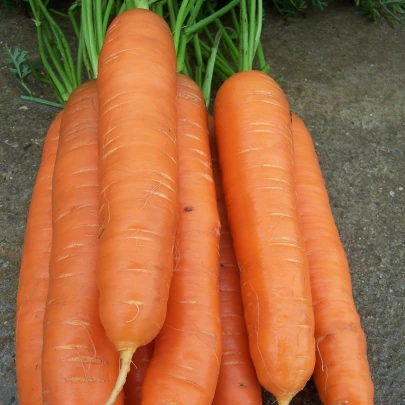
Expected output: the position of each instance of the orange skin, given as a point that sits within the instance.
(138, 180)
(139, 365)
(34, 276)
(185, 365)
(342, 373)
(79, 364)
(237, 382)
(253, 130)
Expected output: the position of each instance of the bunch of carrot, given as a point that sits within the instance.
(175, 258)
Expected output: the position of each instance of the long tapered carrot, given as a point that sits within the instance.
(237, 381)
(79, 364)
(138, 180)
(342, 372)
(186, 361)
(34, 276)
(253, 130)
(136, 375)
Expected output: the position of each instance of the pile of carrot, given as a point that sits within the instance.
(173, 258)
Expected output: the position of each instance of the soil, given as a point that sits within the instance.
(345, 77)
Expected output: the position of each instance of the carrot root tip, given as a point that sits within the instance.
(285, 400)
(125, 358)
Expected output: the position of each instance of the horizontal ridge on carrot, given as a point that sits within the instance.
(237, 381)
(342, 372)
(185, 364)
(78, 361)
(138, 180)
(34, 276)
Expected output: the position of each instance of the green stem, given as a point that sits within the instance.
(68, 64)
(141, 4)
(235, 22)
(220, 61)
(181, 54)
(59, 13)
(84, 53)
(194, 12)
(244, 38)
(61, 43)
(107, 16)
(60, 90)
(252, 18)
(181, 16)
(205, 48)
(197, 50)
(122, 8)
(117, 7)
(176, 7)
(79, 63)
(159, 10)
(222, 76)
(232, 49)
(198, 75)
(207, 84)
(208, 20)
(257, 43)
(66, 82)
(209, 36)
(89, 37)
(99, 25)
(187, 67)
(25, 87)
(74, 23)
(263, 65)
(42, 101)
(172, 15)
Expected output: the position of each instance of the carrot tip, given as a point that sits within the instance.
(125, 358)
(285, 400)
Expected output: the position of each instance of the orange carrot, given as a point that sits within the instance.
(136, 375)
(186, 361)
(34, 276)
(79, 364)
(138, 180)
(253, 130)
(237, 382)
(342, 372)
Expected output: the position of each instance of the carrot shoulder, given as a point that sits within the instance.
(138, 180)
(185, 364)
(34, 276)
(342, 373)
(79, 364)
(253, 130)
(237, 381)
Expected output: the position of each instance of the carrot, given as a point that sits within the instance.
(186, 361)
(237, 381)
(253, 130)
(342, 372)
(138, 180)
(79, 364)
(136, 375)
(34, 276)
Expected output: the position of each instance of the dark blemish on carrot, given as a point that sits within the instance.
(221, 264)
(189, 208)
